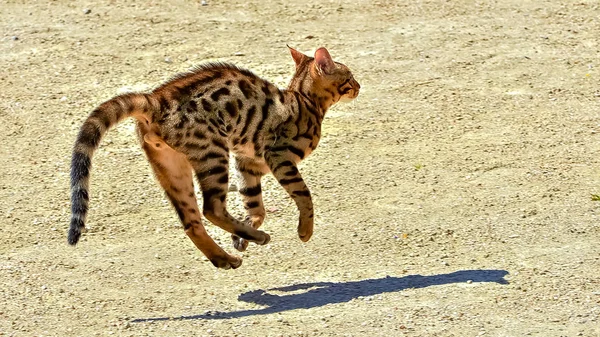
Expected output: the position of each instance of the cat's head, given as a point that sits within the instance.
(324, 77)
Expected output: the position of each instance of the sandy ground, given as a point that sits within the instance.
(453, 197)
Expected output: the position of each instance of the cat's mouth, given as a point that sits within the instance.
(348, 98)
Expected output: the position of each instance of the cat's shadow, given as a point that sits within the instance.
(310, 295)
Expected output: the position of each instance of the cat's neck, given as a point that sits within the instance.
(305, 103)
(324, 101)
(318, 104)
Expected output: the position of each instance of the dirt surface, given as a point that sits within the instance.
(453, 197)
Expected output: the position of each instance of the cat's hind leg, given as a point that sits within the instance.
(174, 173)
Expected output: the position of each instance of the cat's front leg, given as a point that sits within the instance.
(250, 172)
(282, 163)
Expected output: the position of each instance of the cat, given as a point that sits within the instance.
(188, 125)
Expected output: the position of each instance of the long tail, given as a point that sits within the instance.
(95, 126)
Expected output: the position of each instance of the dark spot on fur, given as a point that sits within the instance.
(251, 191)
(252, 204)
(245, 88)
(206, 105)
(217, 94)
(231, 109)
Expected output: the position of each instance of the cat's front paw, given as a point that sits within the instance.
(242, 244)
(266, 239)
(305, 230)
(305, 236)
(239, 243)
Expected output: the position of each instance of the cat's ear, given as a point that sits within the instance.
(324, 62)
(296, 55)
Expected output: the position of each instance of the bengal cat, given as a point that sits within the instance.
(188, 126)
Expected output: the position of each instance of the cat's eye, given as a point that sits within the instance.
(345, 87)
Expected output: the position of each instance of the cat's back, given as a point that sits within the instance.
(214, 75)
(220, 99)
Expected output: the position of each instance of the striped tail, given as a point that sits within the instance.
(95, 126)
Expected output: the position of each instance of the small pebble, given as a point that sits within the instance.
(168, 60)
(87, 11)
(14, 38)
(204, 3)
